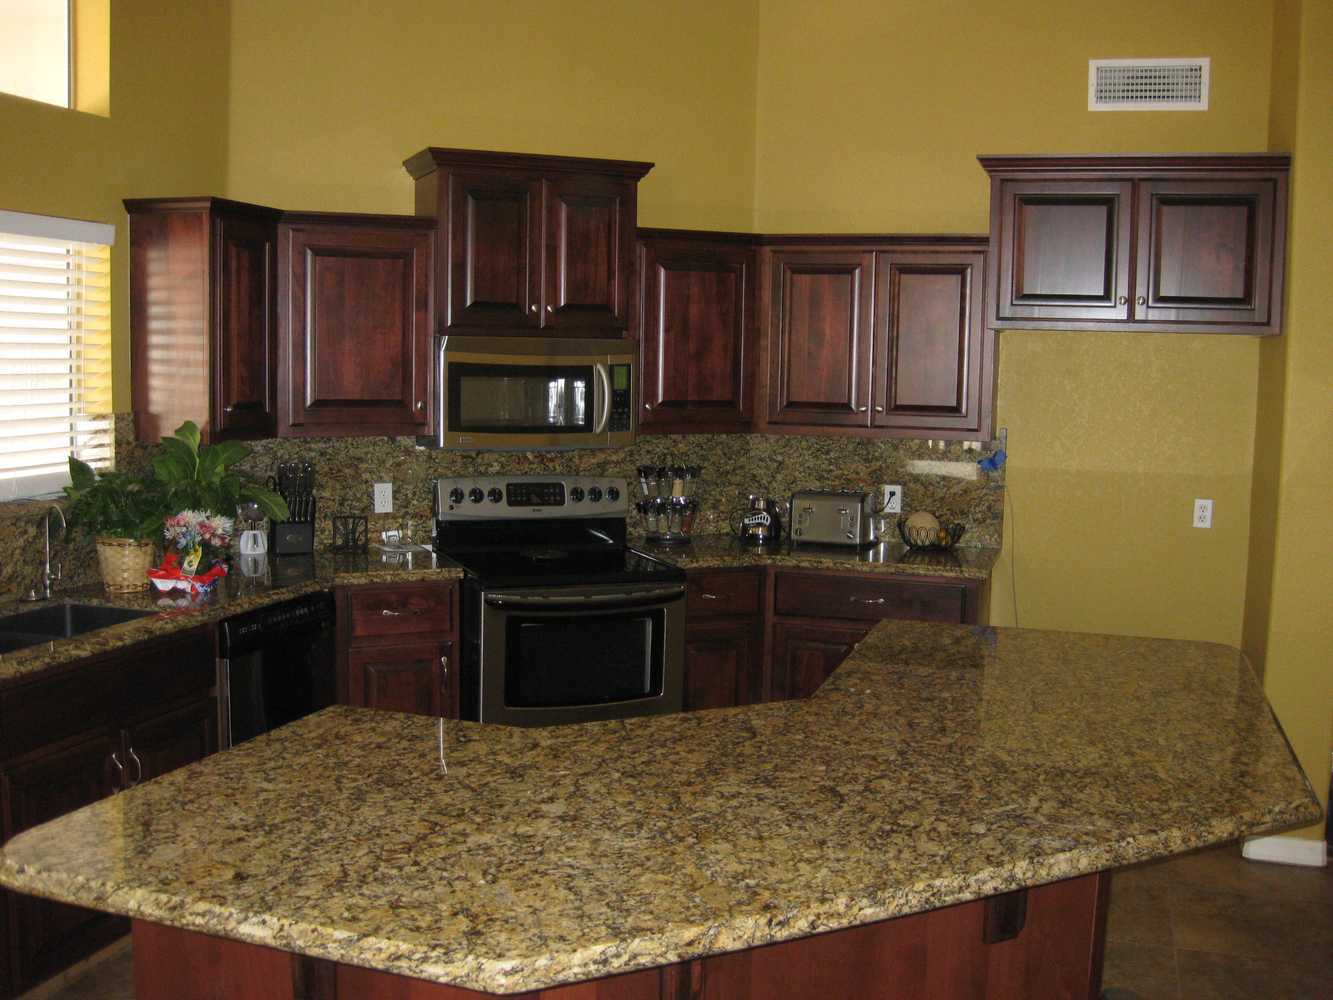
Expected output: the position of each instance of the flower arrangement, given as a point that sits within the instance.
(200, 537)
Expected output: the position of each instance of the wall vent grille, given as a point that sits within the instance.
(1148, 84)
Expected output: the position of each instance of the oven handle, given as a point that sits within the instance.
(604, 414)
(654, 595)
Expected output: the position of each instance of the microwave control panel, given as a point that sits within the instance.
(622, 409)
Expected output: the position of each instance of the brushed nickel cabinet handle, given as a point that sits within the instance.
(1122, 300)
(532, 308)
(138, 767)
(120, 768)
(868, 600)
(710, 597)
(879, 409)
(1141, 300)
(550, 309)
(647, 406)
(862, 409)
(390, 613)
(421, 404)
(229, 408)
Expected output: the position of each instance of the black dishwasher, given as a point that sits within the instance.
(275, 665)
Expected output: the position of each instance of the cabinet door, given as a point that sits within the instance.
(1205, 251)
(165, 742)
(696, 344)
(589, 246)
(45, 936)
(820, 346)
(358, 335)
(245, 347)
(722, 664)
(1063, 249)
(805, 655)
(494, 251)
(929, 368)
(401, 678)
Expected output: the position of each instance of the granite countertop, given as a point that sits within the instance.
(937, 765)
(725, 552)
(288, 577)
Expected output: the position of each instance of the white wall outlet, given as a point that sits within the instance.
(1203, 513)
(383, 497)
(893, 499)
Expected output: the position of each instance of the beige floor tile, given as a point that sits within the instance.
(1206, 976)
(1228, 923)
(1139, 972)
(1224, 870)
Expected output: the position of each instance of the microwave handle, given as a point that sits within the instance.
(604, 384)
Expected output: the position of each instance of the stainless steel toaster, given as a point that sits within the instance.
(826, 517)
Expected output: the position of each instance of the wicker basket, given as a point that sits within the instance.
(124, 563)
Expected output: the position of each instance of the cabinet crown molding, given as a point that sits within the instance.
(433, 158)
(1138, 164)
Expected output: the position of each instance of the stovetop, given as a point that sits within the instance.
(542, 531)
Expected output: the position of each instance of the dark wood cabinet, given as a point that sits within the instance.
(203, 323)
(934, 365)
(696, 319)
(77, 735)
(883, 337)
(354, 295)
(1159, 243)
(397, 647)
(537, 244)
(819, 337)
(724, 638)
(805, 654)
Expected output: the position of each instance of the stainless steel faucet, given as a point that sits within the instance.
(43, 589)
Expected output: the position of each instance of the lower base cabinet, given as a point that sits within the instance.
(417, 678)
(111, 721)
(723, 664)
(804, 655)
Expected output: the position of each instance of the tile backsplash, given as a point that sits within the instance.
(732, 465)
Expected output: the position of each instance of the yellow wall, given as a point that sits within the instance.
(167, 134)
(872, 121)
(325, 108)
(1288, 630)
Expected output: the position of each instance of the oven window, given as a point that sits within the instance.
(565, 662)
(547, 399)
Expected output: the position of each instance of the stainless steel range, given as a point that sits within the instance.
(562, 620)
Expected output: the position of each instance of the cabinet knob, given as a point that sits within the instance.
(647, 406)
(550, 309)
(532, 308)
(1122, 300)
(1141, 300)
(444, 667)
(230, 408)
(862, 409)
(879, 409)
(421, 404)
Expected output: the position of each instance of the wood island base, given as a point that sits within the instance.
(1042, 942)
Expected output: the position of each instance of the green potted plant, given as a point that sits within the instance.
(124, 515)
(202, 491)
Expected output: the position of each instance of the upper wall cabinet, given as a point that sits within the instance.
(1164, 243)
(355, 303)
(696, 331)
(534, 243)
(202, 316)
(884, 336)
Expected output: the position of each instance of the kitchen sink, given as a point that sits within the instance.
(59, 621)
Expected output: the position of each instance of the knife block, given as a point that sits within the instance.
(290, 538)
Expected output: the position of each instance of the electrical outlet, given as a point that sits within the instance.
(893, 499)
(1203, 513)
(383, 497)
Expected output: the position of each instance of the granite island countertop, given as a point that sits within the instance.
(287, 578)
(938, 764)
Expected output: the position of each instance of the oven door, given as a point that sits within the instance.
(523, 395)
(552, 657)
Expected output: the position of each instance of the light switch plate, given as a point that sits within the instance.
(383, 497)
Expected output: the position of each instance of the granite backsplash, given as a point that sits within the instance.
(732, 465)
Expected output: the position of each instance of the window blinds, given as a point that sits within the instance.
(55, 351)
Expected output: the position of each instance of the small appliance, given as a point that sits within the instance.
(761, 523)
(826, 517)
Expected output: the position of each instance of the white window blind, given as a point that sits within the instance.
(55, 350)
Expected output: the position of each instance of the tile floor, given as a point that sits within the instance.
(1204, 926)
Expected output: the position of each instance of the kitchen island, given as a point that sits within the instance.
(939, 765)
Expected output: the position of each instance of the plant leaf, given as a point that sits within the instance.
(188, 434)
(81, 474)
(273, 506)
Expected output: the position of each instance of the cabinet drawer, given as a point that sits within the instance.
(710, 595)
(864, 598)
(401, 610)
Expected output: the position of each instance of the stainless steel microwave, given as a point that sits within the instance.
(530, 393)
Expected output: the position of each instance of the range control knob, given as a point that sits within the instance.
(594, 493)
(456, 495)
(576, 494)
(475, 494)
(495, 494)
(612, 494)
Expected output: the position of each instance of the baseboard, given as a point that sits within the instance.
(1287, 851)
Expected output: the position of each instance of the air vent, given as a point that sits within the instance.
(1148, 84)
